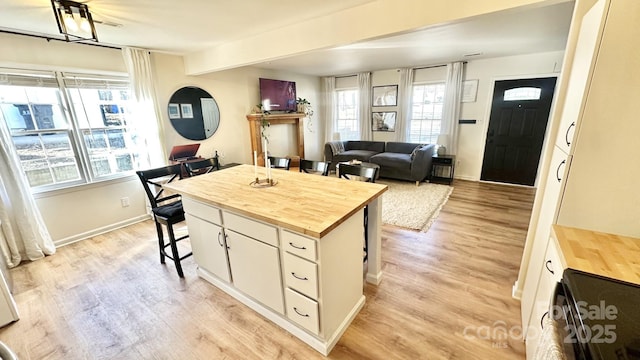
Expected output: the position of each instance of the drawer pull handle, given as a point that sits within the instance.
(297, 247)
(548, 268)
(297, 277)
(558, 170)
(220, 242)
(299, 313)
(542, 319)
(566, 136)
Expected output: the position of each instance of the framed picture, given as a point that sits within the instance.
(187, 111)
(174, 111)
(385, 95)
(469, 90)
(383, 121)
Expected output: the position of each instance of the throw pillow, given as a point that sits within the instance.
(336, 147)
(413, 153)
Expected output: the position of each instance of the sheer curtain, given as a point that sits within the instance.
(25, 232)
(328, 107)
(451, 107)
(149, 124)
(403, 121)
(364, 105)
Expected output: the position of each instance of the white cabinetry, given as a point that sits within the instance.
(311, 287)
(577, 89)
(550, 275)
(207, 238)
(255, 267)
(598, 187)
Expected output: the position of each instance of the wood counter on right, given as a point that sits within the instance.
(609, 255)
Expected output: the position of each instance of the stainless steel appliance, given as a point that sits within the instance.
(599, 316)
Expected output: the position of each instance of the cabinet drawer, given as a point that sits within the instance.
(257, 230)
(299, 245)
(202, 210)
(302, 310)
(301, 275)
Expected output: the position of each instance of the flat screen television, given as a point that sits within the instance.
(278, 95)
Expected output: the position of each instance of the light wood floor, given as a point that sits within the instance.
(109, 298)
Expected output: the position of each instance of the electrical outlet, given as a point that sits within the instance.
(124, 201)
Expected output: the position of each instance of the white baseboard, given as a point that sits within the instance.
(516, 292)
(105, 229)
(323, 346)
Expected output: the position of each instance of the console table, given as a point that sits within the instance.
(291, 252)
(255, 128)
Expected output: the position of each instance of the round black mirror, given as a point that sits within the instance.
(194, 113)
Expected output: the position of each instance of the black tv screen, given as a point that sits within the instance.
(278, 95)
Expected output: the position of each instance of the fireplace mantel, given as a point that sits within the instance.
(255, 121)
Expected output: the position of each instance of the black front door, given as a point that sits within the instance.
(517, 125)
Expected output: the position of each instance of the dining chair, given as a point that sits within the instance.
(280, 162)
(367, 174)
(203, 166)
(313, 166)
(167, 209)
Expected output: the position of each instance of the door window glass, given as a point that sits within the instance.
(522, 93)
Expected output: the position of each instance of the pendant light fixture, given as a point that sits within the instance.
(74, 20)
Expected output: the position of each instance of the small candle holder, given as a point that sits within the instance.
(262, 183)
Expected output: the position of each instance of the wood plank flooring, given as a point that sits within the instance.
(445, 294)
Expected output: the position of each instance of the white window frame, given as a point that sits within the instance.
(342, 121)
(64, 83)
(429, 127)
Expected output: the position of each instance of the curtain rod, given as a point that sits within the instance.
(49, 38)
(433, 66)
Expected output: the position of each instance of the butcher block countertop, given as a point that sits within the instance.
(609, 255)
(306, 203)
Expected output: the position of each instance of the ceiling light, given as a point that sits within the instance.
(74, 20)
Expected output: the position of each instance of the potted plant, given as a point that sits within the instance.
(264, 123)
(304, 106)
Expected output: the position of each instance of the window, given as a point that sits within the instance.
(69, 129)
(347, 114)
(426, 112)
(522, 93)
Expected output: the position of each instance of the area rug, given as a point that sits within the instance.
(413, 207)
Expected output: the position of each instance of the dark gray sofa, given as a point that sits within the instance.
(397, 160)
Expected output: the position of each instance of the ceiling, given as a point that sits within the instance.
(195, 25)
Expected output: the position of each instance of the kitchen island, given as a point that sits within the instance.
(292, 252)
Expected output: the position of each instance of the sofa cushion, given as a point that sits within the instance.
(415, 150)
(374, 146)
(400, 147)
(362, 155)
(392, 160)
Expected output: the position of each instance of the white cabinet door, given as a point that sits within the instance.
(549, 277)
(577, 85)
(558, 167)
(602, 186)
(255, 268)
(208, 246)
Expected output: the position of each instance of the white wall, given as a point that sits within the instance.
(472, 136)
(237, 92)
(82, 211)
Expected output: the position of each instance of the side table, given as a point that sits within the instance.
(442, 167)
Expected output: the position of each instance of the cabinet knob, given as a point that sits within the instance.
(548, 268)
(558, 170)
(299, 313)
(542, 319)
(298, 277)
(566, 135)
